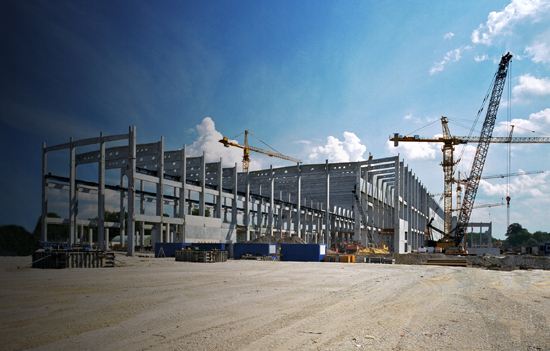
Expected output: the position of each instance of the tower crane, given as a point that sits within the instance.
(483, 141)
(247, 148)
(494, 176)
(449, 142)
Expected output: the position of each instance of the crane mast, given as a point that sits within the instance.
(482, 149)
(247, 148)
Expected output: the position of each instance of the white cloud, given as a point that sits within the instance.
(465, 163)
(414, 151)
(540, 50)
(501, 23)
(530, 86)
(349, 150)
(526, 185)
(481, 58)
(208, 141)
(410, 117)
(538, 122)
(448, 35)
(451, 56)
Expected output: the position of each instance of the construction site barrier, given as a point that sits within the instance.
(201, 256)
(68, 259)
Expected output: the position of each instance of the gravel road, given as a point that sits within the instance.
(160, 304)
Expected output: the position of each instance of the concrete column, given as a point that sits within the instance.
(408, 196)
(142, 211)
(310, 235)
(271, 200)
(131, 189)
(290, 215)
(122, 210)
(220, 186)
(234, 210)
(202, 195)
(259, 217)
(183, 170)
(72, 195)
(298, 200)
(280, 211)
(327, 199)
(44, 229)
(107, 239)
(398, 181)
(160, 190)
(247, 205)
(101, 195)
(357, 205)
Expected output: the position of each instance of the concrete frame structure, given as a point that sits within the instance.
(368, 201)
(485, 235)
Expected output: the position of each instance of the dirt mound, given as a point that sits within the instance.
(269, 239)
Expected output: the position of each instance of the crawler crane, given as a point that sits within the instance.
(449, 142)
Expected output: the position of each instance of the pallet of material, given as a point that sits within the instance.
(340, 258)
(447, 262)
(201, 256)
(57, 259)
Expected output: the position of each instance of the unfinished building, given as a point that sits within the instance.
(374, 201)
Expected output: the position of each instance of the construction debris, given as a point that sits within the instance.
(448, 262)
(372, 250)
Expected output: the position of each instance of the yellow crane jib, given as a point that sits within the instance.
(247, 148)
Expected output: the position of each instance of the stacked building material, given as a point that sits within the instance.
(201, 256)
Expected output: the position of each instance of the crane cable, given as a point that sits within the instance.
(472, 129)
(509, 156)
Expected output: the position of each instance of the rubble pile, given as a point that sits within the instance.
(510, 262)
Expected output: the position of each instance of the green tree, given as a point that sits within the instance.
(541, 237)
(17, 240)
(56, 232)
(517, 235)
(110, 217)
(195, 212)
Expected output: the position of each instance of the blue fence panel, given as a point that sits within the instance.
(303, 252)
(254, 249)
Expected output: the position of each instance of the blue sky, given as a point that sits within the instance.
(313, 79)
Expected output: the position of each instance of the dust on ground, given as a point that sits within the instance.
(161, 304)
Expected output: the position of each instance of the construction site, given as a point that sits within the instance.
(209, 257)
(375, 204)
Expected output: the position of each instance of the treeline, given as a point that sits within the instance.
(16, 240)
(519, 236)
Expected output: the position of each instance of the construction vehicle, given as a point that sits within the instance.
(247, 148)
(481, 151)
(456, 235)
(446, 243)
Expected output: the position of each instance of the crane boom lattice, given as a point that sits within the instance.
(482, 149)
(247, 148)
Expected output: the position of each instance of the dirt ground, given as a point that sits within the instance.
(160, 304)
